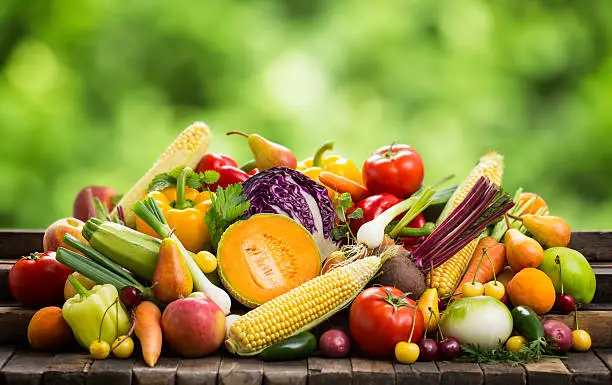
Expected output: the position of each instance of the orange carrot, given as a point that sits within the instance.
(496, 252)
(148, 330)
(342, 184)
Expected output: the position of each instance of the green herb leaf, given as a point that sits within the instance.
(357, 214)
(228, 205)
(345, 200)
(209, 177)
(161, 181)
(532, 352)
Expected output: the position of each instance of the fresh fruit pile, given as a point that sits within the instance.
(460, 271)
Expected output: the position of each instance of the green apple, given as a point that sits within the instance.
(578, 276)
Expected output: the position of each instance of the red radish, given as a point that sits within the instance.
(560, 334)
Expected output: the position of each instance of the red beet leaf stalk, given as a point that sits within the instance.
(483, 205)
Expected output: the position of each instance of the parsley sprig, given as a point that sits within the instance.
(228, 205)
(342, 230)
(194, 180)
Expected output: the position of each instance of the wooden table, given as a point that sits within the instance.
(20, 365)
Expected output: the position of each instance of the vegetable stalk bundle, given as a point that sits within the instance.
(483, 205)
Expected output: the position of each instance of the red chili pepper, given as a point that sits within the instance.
(410, 243)
(228, 170)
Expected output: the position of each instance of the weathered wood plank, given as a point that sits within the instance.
(503, 374)
(596, 322)
(423, 373)
(162, 374)
(287, 373)
(329, 371)
(5, 292)
(240, 371)
(370, 372)
(595, 245)
(456, 373)
(67, 368)
(110, 371)
(549, 371)
(14, 324)
(198, 371)
(17, 243)
(25, 368)
(6, 352)
(605, 354)
(603, 276)
(587, 368)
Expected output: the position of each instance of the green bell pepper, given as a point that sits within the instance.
(86, 314)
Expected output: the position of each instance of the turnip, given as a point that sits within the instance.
(334, 343)
(482, 321)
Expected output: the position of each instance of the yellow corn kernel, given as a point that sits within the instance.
(320, 297)
(446, 276)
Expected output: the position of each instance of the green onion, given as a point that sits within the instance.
(98, 257)
(93, 271)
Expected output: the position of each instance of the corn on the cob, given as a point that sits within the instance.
(301, 308)
(446, 276)
(187, 149)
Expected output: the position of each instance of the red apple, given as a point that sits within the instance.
(52, 239)
(194, 327)
(83, 207)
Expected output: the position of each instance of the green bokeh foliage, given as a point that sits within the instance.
(91, 91)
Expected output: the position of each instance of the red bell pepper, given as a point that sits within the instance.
(228, 170)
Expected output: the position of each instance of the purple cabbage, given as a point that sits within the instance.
(281, 190)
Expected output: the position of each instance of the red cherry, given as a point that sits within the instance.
(564, 303)
(130, 296)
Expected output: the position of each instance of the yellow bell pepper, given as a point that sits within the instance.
(313, 167)
(184, 212)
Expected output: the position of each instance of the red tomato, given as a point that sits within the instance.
(38, 280)
(395, 169)
(380, 318)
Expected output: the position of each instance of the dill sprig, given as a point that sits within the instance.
(531, 352)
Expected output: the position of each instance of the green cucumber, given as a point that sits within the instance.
(297, 347)
(527, 323)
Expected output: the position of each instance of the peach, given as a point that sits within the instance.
(52, 239)
(83, 207)
(194, 327)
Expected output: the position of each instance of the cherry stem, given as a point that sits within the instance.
(484, 252)
(103, 316)
(576, 317)
(413, 323)
(437, 322)
(427, 325)
(558, 262)
(507, 221)
(128, 335)
(515, 217)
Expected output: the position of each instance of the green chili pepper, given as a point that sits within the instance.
(297, 347)
(527, 323)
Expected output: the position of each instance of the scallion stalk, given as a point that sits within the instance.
(93, 271)
(98, 257)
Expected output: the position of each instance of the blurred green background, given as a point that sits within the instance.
(92, 91)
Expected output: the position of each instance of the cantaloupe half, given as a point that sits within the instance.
(265, 256)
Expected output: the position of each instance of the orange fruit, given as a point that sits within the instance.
(535, 206)
(532, 287)
(48, 330)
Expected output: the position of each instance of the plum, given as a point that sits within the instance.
(83, 207)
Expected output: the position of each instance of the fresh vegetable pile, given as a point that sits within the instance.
(427, 271)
